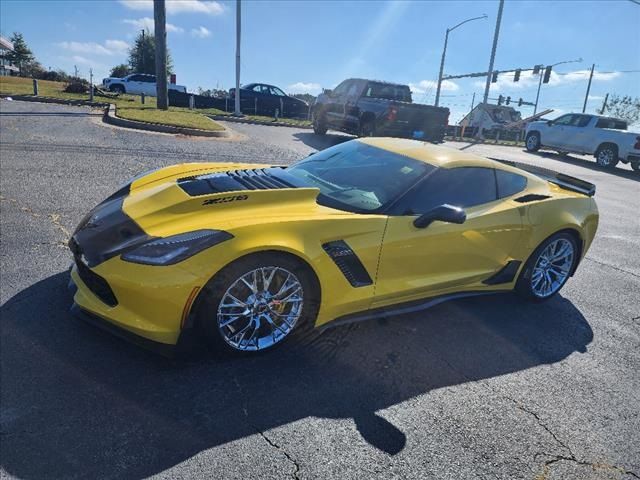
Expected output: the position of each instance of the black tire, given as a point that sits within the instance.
(209, 300)
(635, 166)
(524, 287)
(532, 142)
(320, 126)
(607, 155)
(117, 88)
(367, 128)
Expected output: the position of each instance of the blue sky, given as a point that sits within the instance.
(306, 45)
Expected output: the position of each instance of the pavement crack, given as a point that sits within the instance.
(546, 469)
(296, 470)
(55, 219)
(523, 408)
(612, 266)
(245, 411)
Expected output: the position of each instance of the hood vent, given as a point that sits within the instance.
(234, 180)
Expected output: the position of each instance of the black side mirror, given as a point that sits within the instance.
(442, 213)
(549, 122)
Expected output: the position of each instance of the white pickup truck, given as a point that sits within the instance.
(607, 139)
(137, 83)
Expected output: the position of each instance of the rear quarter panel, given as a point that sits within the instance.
(565, 212)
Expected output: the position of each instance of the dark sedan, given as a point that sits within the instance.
(263, 99)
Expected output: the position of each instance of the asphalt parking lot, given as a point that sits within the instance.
(479, 388)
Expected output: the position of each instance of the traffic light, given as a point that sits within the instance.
(508, 100)
(516, 76)
(500, 99)
(520, 102)
(536, 69)
(494, 77)
(547, 75)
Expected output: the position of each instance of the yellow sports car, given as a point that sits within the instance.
(249, 255)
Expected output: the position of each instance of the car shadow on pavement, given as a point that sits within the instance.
(76, 402)
(590, 164)
(320, 142)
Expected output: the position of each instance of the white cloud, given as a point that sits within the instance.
(147, 23)
(424, 86)
(80, 59)
(178, 6)
(302, 87)
(110, 47)
(200, 32)
(119, 46)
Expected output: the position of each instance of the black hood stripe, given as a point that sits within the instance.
(238, 180)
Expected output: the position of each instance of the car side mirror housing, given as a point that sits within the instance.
(443, 213)
(549, 122)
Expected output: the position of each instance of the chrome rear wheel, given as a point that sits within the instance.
(260, 308)
(552, 268)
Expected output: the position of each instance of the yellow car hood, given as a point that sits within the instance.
(162, 203)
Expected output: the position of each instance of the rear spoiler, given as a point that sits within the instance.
(564, 181)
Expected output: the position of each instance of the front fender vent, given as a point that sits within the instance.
(348, 263)
(531, 197)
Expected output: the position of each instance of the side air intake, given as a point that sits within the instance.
(348, 263)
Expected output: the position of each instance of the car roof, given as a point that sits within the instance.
(436, 155)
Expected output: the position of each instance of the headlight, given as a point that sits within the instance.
(174, 249)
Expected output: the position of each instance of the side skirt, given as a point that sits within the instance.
(402, 308)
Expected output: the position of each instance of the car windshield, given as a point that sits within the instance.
(357, 177)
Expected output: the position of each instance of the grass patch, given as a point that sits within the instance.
(167, 117)
(127, 106)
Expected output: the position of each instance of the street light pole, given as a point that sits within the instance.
(586, 96)
(535, 109)
(542, 67)
(237, 93)
(496, 34)
(444, 53)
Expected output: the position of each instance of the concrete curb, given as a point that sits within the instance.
(229, 118)
(111, 118)
(61, 101)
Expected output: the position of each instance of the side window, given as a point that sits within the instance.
(509, 183)
(564, 120)
(135, 78)
(580, 120)
(148, 79)
(461, 187)
(277, 92)
(340, 89)
(353, 90)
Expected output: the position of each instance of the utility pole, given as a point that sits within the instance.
(535, 109)
(159, 16)
(586, 96)
(142, 53)
(237, 111)
(493, 52)
(604, 104)
(75, 69)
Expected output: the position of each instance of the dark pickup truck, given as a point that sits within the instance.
(370, 108)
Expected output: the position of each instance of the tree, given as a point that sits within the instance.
(33, 69)
(624, 107)
(142, 55)
(21, 53)
(120, 71)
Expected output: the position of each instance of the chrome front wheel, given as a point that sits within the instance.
(260, 308)
(552, 268)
